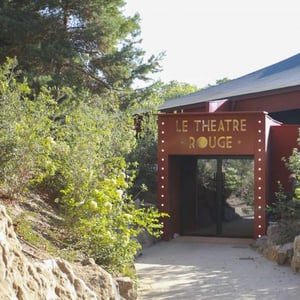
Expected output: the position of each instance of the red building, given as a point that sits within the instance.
(220, 152)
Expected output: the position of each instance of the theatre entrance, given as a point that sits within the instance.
(216, 195)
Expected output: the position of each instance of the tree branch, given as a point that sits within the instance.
(89, 75)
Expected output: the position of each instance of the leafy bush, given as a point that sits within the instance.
(26, 142)
(287, 204)
(95, 198)
(77, 150)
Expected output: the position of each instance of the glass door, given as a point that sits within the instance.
(224, 197)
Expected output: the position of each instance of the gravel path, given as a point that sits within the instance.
(212, 268)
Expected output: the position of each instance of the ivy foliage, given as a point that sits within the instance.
(78, 152)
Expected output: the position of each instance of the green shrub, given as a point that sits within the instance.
(26, 141)
(101, 214)
(77, 150)
(287, 205)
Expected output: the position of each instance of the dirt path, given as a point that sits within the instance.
(202, 268)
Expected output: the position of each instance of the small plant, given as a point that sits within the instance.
(287, 204)
(24, 229)
(286, 209)
(286, 230)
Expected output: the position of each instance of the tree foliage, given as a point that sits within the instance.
(147, 105)
(79, 44)
(66, 118)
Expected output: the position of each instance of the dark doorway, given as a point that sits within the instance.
(217, 196)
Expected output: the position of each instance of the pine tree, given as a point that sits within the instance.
(81, 44)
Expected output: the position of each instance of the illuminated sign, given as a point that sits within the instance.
(211, 133)
(214, 125)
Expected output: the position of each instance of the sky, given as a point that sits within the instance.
(208, 40)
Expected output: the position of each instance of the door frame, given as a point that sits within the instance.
(181, 134)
